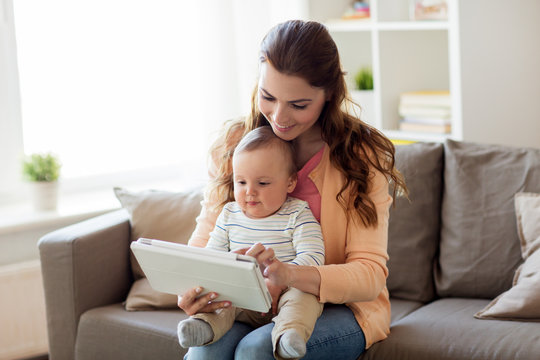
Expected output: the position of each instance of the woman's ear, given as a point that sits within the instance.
(327, 95)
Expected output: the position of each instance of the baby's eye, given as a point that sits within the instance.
(263, 183)
(240, 182)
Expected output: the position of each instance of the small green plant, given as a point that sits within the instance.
(364, 79)
(41, 167)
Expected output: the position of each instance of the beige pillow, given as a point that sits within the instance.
(522, 300)
(162, 215)
(141, 296)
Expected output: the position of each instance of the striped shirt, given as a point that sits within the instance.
(293, 232)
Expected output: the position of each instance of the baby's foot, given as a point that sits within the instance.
(291, 345)
(194, 332)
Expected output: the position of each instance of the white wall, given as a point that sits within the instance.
(500, 68)
(22, 310)
(10, 113)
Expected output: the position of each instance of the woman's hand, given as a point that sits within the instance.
(192, 302)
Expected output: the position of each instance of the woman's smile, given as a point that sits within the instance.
(282, 128)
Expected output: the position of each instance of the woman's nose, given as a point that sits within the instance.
(279, 113)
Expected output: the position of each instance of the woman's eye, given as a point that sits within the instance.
(267, 98)
(299, 107)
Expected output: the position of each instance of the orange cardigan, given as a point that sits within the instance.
(355, 267)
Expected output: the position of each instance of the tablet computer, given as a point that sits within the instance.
(175, 268)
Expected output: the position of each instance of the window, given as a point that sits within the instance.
(132, 87)
(111, 85)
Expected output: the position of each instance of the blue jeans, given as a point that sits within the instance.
(337, 335)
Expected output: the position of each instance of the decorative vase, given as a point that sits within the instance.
(364, 98)
(45, 195)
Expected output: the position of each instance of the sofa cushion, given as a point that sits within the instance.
(447, 330)
(413, 233)
(162, 215)
(401, 308)
(111, 332)
(479, 249)
(522, 301)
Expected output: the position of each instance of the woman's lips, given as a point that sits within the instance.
(283, 128)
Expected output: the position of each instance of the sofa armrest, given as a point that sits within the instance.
(84, 266)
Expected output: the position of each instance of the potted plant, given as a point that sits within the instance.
(364, 79)
(362, 95)
(43, 171)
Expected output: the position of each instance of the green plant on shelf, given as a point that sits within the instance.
(41, 168)
(364, 79)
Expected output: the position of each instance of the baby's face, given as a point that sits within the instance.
(261, 181)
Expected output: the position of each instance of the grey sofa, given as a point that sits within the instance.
(452, 248)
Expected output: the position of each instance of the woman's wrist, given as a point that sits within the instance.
(305, 278)
(290, 275)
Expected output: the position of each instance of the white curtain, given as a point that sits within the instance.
(10, 117)
(119, 85)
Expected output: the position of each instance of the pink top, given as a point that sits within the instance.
(306, 189)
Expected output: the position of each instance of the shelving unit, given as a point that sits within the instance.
(405, 56)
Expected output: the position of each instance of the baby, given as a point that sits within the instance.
(264, 174)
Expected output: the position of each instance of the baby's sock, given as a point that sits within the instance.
(194, 332)
(291, 345)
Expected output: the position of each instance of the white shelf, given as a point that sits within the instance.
(337, 25)
(415, 136)
(405, 55)
(469, 55)
(412, 25)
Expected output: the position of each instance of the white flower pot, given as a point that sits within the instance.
(44, 195)
(365, 99)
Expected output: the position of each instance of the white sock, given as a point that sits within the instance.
(194, 332)
(291, 345)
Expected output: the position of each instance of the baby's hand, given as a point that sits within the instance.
(264, 256)
(278, 273)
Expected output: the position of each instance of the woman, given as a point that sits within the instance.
(345, 168)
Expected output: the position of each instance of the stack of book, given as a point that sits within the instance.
(358, 10)
(425, 111)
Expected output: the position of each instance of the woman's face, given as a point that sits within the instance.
(289, 103)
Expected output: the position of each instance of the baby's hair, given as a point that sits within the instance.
(263, 137)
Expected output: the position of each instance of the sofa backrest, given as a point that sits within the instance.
(414, 228)
(479, 248)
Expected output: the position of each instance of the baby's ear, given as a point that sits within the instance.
(293, 179)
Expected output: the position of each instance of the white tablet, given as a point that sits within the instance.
(175, 268)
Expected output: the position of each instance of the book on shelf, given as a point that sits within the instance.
(358, 10)
(428, 120)
(425, 128)
(402, 142)
(419, 111)
(426, 111)
(429, 10)
(426, 98)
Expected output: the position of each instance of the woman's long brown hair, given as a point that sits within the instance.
(307, 50)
